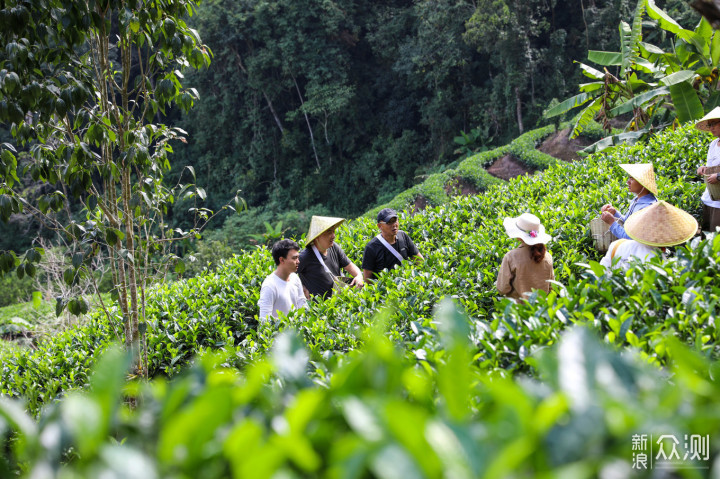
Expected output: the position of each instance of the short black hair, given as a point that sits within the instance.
(281, 249)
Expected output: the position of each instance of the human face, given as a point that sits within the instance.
(714, 126)
(389, 229)
(291, 262)
(634, 185)
(325, 240)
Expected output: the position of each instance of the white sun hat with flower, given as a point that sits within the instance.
(527, 227)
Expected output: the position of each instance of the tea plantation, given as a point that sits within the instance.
(424, 373)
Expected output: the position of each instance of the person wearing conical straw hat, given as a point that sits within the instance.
(641, 183)
(711, 206)
(651, 230)
(529, 266)
(322, 259)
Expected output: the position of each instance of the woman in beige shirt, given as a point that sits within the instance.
(529, 266)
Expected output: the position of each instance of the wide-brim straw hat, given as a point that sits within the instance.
(527, 227)
(644, 174)
(702, 123)
(320, 224)
(661, 224)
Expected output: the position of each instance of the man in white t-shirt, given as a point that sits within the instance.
(282, 290)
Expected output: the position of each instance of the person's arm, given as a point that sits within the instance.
(413, 251)
(266, 302)
(505, 277)
(618, 230)
(300, 299)
(354, 271)
(368, 262)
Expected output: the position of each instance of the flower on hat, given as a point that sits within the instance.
(533, 234)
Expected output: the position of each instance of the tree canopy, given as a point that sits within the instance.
(345, 103)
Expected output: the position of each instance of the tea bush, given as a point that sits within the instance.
(376, 413)
(463, 242)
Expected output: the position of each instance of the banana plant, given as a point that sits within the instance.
(654, 87)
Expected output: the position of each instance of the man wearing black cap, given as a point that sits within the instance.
(390, 247)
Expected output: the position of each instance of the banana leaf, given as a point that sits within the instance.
(687, 104)
(678, 77)
(569, 104)
(605, 58)
(639, 101)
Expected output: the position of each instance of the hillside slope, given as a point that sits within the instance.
(475, 174)
(463, 242)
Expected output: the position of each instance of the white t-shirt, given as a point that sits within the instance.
(627, 249)
(277, 294)
(713, 159)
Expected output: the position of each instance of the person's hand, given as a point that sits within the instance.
(306, 293)
(607, 217)
(701, 170)
(610, 209)
(711, 179)
(358, 281)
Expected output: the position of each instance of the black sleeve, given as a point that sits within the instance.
(411, 248)
(342, 257)
(303, 263)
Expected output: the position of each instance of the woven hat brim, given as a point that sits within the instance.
(320, 224)
(643, 174)
(661, 224)
(514, 232)
(702, 123)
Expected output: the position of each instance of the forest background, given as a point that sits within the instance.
(333, 107)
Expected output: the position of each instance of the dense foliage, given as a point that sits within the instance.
(344, 104)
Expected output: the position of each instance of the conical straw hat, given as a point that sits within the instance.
(644, 174)
(320, 224)
(661, 224)
(702, 123)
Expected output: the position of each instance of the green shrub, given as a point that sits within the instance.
(523, 148)
(375, 413)
(474, 167)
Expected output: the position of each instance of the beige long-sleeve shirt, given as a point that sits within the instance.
(519, 274)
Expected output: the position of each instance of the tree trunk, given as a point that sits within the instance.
(518, 106)
(267, 98)
(307, 120)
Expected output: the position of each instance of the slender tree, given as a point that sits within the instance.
(84, 86)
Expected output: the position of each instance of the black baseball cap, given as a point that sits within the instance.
(386, 214)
